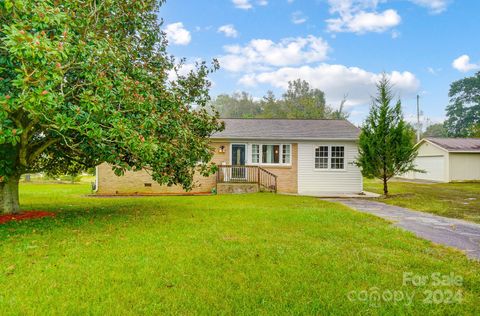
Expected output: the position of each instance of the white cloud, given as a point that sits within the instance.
(177, 34)
(463, 64)
(229, 30)
(247, 4)
(298, 17)
(435, 6)
(395, 34)
(434, 71)
(263, 54)
(360, 16)
(336, 81)
(344, 7)
(242, 4)
(203, 29)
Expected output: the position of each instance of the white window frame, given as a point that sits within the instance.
(289, 156)
(329, 157)
(344, 157)
(315, 157)
(259, 153)
(280, 159)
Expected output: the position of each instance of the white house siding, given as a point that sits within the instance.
(464, 166)
(313, 181)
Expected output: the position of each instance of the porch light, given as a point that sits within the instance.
(221, 149)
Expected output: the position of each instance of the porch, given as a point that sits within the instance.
(244, 179)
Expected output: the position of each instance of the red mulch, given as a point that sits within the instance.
(25, 216)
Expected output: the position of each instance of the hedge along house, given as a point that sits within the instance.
(447, 160)
(308, 157)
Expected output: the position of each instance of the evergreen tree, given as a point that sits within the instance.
(386, 143)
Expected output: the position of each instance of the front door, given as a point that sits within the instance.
(238, 161)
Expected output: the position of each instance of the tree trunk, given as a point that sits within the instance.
(385, 186)
(9, 196)
(2, 185)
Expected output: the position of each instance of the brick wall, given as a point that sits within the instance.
(141, 183)
(287, 180)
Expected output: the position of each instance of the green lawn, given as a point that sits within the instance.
(457, 200)
(242, 254)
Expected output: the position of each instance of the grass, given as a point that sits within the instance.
(231, 254)
(38, 178)
(456, 200)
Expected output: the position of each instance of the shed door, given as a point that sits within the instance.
(434, 167)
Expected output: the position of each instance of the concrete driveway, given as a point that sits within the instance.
(451, 232)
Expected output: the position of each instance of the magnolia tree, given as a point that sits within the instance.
(386, 146)
(86, 82)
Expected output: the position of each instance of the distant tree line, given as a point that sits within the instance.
(300, 101)
(463, 111)
(435, 130)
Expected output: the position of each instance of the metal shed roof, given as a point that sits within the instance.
(457, 144)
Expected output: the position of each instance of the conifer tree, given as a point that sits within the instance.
(386, 145)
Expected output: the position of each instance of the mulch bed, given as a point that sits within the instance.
(25, 216)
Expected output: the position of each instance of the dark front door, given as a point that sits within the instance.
(238, 161)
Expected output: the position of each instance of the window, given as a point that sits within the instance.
(280, 154)
(270, 153)
(255, 153)
(330, 157)
(321, 157)
(338, 157)
(286, 154)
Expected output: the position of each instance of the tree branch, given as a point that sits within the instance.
(42, 148)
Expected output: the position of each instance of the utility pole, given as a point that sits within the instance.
(418, 118)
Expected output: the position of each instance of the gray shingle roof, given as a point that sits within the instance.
(286, 129)
(457, 144)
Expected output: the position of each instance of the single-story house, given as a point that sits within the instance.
(309, 157)
(448, 159)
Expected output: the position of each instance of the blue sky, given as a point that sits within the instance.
(339, 46)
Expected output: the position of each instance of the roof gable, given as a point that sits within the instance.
(288, 129)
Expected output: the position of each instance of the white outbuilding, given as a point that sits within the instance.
(448, 159)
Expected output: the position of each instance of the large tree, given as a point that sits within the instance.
(386, 146)
(86, 82)
(436, 130)
(302, 101)
(271, 107)
(463, 112)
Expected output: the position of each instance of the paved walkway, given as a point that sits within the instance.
(441, 230)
